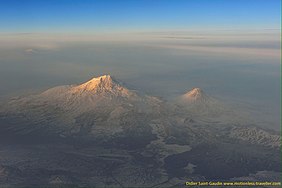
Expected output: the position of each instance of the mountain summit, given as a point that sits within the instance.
(99, 84)
(195, 92)
(195, 95)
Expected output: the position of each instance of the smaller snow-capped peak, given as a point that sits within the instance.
(198, 103)
(195, 94)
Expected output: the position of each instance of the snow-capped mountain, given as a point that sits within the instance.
(100, 91)
(67, 109)
(196, 95)
(202, 106)
(103, 86)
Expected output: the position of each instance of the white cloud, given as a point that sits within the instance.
(30, 51)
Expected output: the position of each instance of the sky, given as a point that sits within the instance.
(20, 16)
